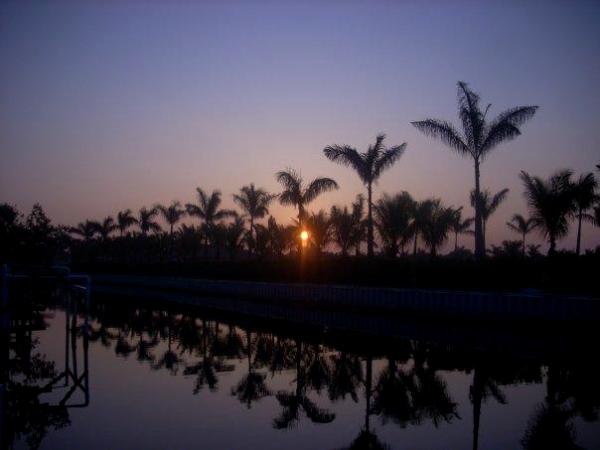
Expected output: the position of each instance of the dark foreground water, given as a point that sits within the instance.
(151, 376)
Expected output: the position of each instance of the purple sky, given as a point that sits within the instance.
(106, 107)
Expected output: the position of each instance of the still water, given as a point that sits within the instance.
(147, 375)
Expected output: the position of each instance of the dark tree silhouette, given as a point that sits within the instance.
(478, 139)
(488, 204)
(551, 204)
(255, 204)
(146, 221)
(521, 225)
(369, 166)
(585, 196)
(460, 226)
(125, 220)
(172, 214)
(296, 194)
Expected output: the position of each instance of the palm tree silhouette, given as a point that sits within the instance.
(293, 403)
(551, 204)
(125, 220)
(520, 224)
(392, 217)
(320, 227)
(251, 387)
(299, 196)
(255, 204)
(488, 204)
(585, 197)
(87, 230)
(437, 226)
(146, 221)
(172, 214)
(369, 166)
(420, 215)
(105, 228)
(478, 139)
(460, 226)
(234, 233)
(208, 211)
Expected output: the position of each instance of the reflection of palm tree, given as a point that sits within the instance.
(482, 387)
(392, 395)
(346, 376)
(478, 139)
(293, 403)
(170, 359)
(251, 387)
(369, 166)
(367, 439)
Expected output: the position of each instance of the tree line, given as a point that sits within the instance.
(391, 224)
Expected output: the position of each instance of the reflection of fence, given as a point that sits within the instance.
(71, 372)
(446, 303)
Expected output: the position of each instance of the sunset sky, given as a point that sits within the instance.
(114, 106)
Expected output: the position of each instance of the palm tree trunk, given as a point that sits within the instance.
(455, 241)
(252, 233)
(368, 384)
(579, 217)
(479, 238)
(477, 398)
(524, 234)
(370, 221)
(415, 244)
(552, 249)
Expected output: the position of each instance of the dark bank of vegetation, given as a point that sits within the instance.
(402, 236)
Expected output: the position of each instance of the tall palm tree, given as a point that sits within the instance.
(460, 226)
(585, 198)
(488, 205)
(360, 225)
(551, 204)
(296, 194)
(520, 224)
(146, 221)
(369, 166)
(437, 226)
(106, 227)
(172, 214)
(125, 220)
(392, 217)
(254, 202)
(478, 139)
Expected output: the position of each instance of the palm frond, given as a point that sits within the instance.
(445, 132)
(388, 158)
(317, 187)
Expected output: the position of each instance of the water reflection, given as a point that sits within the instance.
(398, 383)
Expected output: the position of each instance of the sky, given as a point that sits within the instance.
(113, 105)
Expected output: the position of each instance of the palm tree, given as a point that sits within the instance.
(320, 228)
(488, 204)
(520, 224)
(360, 225)
(479, 137)
(105, 227)
(343, 225)
(146, 221)
(437, 226)
(551, 204)
(255, 204)
(208, 207)
(420, 216)
(87, 230)
(460, 226)
(172, 214)
(299, 196)
(125, 220)
(234, 233)
(392, 217)
(585, 197)
(369, 166)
